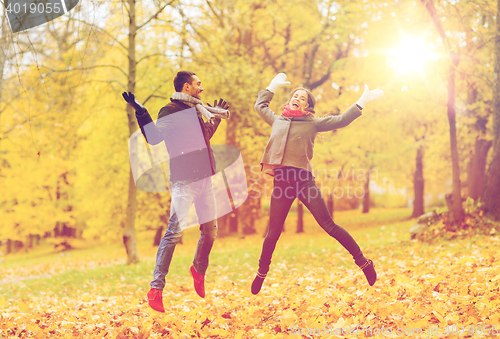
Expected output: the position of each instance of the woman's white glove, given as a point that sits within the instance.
(278, 81)
(369, 96)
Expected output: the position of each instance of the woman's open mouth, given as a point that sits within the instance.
(295, 105)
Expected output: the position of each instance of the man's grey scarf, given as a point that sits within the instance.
(210, 113)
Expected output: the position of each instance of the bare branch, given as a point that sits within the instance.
(85, 68)
(291, 50)
(157, 96)
(149, 56)
(217, 15)
(152, 95)
(107, 81)
(155, 16)
(92, 26)
(199, 34)
(19, 112)
(323, 79)
(5, 135)
(432, 11)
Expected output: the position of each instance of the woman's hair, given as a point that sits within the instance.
(311, 100)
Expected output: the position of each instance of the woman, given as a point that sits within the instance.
(287, 157)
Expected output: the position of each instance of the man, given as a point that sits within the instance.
(191, 165)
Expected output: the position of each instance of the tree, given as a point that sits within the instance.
(477, 168)
(300, 217)
(455, 200)
(129, 228)
(111, 39)
(245, 44)
(491, 194)
(366, 191)
(475, 76)
(37, 197)
(5, 43)
(418, 183)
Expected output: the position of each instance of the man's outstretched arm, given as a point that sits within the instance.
(211, 128)
(153, 135)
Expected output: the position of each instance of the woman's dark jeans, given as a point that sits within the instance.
(291, 183)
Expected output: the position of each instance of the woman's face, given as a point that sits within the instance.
(298, 100)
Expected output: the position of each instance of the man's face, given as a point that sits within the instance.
(194, 89)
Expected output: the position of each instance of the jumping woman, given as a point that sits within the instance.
(287, 158)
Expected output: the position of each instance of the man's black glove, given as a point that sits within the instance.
(130, 98)
(222, 104)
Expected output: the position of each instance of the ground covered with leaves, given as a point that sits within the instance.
(448, 288)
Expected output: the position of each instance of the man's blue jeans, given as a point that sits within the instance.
(184, 194)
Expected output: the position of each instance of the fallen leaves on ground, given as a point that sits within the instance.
(422, 287)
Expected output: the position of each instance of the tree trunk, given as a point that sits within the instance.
(231, 132)
(4, 48)
(5, 42)
(68, 231)
(249, 212)
(450, 203)
(366, 195)
(418, 184)
(8, 247)
(477, 168)
(222, 224)
(458, 212)
(233, 221)
(300, 217)
(18, 245)
(491, 193)
(129, 229)
(29, 241)
(57, 231)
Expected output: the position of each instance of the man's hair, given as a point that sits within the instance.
(181, 78)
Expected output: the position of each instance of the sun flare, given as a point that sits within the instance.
(410, 57)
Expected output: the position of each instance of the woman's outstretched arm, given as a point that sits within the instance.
(353, 112)
(337, 121)
(265, 97)
(262, 107)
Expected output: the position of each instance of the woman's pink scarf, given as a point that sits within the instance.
(288, 112)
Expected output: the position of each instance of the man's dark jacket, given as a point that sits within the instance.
(193, 165)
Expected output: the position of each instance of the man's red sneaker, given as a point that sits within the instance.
(199, 282)
(155, 300)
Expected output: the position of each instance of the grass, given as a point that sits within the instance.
(98, 268)
(90, 292)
